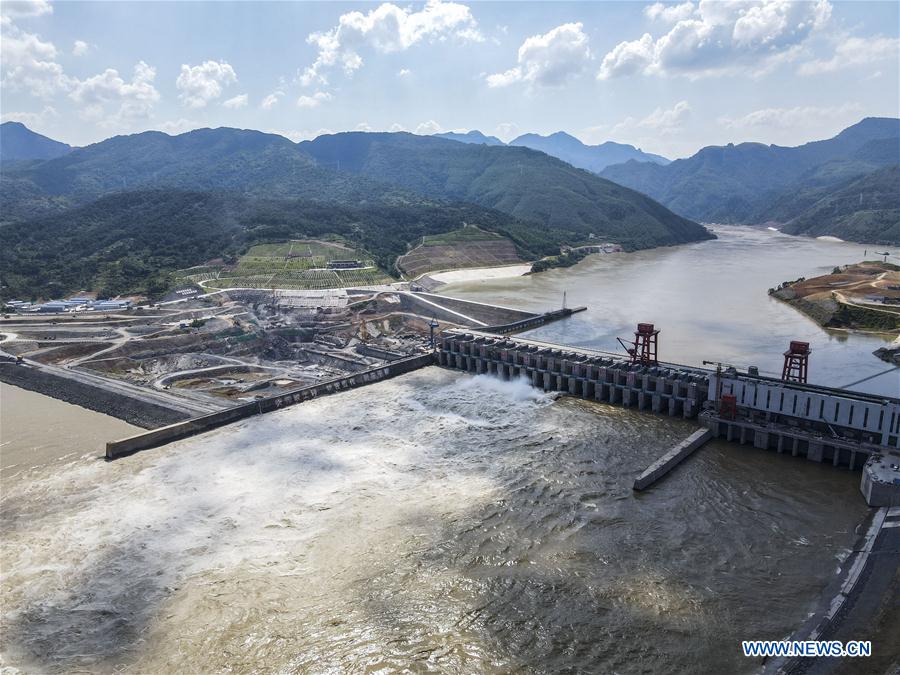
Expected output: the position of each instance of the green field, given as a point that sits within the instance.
(292, 265)
(463, 235)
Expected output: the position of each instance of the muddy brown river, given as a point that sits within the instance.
(435, 522)
(441, 522)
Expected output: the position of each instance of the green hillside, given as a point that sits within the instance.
(120, 215)
(134, 241)
(248, 163)
(18, 143)
(527, 184)
(864, 209)
(350, 169)
(738, 183)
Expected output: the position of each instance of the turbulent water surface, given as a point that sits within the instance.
(710, 301)
(437, 521)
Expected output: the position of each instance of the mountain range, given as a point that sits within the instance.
(124, 213)
(752, 183)
(567, 148)
(380, 190)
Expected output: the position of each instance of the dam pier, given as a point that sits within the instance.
(841, 427)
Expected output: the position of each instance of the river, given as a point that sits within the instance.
(709, 301)
(435, 522)
(36, 430)
(441, 522)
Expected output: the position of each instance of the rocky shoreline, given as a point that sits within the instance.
(138, 413)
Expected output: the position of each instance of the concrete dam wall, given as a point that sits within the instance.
(582, 373)
(840, 427)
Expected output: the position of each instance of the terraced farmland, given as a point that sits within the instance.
(468, 247)
(301, 265)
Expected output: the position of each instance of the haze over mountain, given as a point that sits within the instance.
(591, 157)
(473, 136)
(525, 183)
(565, 147)
(394, 186)
(18, 142)
(754, 183)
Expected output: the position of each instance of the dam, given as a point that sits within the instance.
(842, 427)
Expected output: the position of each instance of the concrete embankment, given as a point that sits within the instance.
(671, 459)
(198, 425)
(861, 603)
(133, 411)
(533, 321)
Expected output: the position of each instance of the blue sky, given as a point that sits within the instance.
(669, 78)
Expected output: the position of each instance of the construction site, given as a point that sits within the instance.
(199, 352)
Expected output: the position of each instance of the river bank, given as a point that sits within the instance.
(863, 297)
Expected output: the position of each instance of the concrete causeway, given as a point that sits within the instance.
(673, 458)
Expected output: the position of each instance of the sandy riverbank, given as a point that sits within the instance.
(481, 273)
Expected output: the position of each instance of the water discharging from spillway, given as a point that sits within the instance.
(437, 521)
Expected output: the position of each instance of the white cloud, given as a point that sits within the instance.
(661, 121)
(387, 28)
(549, 59)
(33, 120)
(298, 135)
(403, 72)
(666, 13)
(428, 128)
(201, 84)
(131, 100)
(722, 37)
(854, 51)
(271, 100)
(396, 126)
(23, 9)
(363, 126)
(239, 101)
(793, 118)
(628, 58)
(80, 48)
(28, 62)
(179, 126)
(313, 101)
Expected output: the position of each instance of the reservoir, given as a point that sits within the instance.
(709, 300)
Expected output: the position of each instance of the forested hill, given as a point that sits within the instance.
(18, 142)
(243, 162)
(862, 209)
(133, 241)
(752, 182)
(396, 186)
(525, 183)
(352, 168)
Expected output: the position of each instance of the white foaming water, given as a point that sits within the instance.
(518, 390)
(436, 521)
